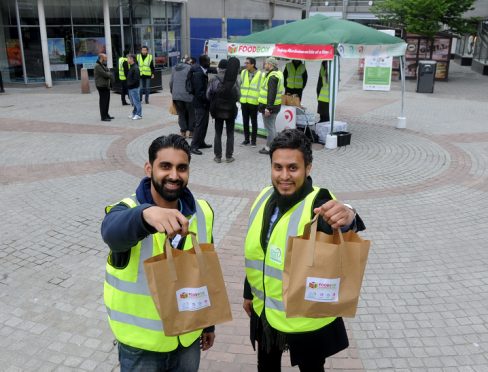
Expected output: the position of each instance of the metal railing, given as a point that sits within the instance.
(341, 3)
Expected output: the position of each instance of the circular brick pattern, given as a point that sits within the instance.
(378, 158)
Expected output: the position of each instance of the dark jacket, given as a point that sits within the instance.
(304, 76)
(134, 77)
(322, 107)
(102, 75)
(223, 95)
(126, 67)
(124, 227)
(177, 83)
(200, 83)
(272, 91)
(151, 65)
(316, 345)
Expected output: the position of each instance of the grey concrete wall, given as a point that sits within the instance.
(481, 9)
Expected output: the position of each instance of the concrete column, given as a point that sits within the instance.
(45, 49)
(185, 27)
(108, 36)
(19, 30)
(344, 9)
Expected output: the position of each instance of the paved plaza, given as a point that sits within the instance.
(422, 193)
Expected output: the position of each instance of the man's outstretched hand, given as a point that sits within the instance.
(335, 214)
(169, 221)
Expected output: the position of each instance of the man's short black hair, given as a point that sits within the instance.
(126, 52)
(293, 139)
(133, 57)
(193, 59)
(173, 140)
(145, 47)
(203, 58)
(252, 61)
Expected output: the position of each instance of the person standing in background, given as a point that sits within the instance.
(223, 94)
(133, 79)
(123, 72)
(323, 93)
(1, 83)
(296, 77)
(200, 103)
(270, 100)
(181, 98)
(251, 79)
(146, 66)
(102, 81)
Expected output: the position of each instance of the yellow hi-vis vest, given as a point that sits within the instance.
(265, 270)
(131, 312)
(295, 75)
(263, 93)
(145, 66)
(324, 91)
(121, 68)
(250, 91)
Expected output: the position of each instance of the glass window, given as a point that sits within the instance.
(10, 55)
(158, 11)
(57, 12)
(114, 12)
(142, 13)
(87, 12)
(28, 12)
(160, 47)
(60, 48)
(259, 25)
(31, 38)
(88, 43)
(8, 16)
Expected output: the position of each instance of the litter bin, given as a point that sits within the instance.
(426, 76)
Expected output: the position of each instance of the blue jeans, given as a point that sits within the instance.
(135, 100)
(144, 83)
(183, 359)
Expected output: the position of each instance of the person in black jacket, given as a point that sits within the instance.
(201, 104)
(133, 79)
(292, 184)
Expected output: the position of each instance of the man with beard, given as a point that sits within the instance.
(280, 211)
(135, 230)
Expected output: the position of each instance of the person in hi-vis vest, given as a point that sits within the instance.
(251, 81)
(296, 77)
(146, 67)
(323, 93)
(135, 229)
(123, 72)
(280, 211)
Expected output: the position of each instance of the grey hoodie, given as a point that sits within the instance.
(177, 84)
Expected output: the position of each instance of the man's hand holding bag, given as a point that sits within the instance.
(188, 288)
(323, 273)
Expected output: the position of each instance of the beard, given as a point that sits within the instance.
(285, 202)
(168, 195)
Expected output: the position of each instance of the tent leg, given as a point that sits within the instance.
(331, 140)
(402, 121)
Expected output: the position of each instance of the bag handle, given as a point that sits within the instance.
(310, 233)
(171, 262)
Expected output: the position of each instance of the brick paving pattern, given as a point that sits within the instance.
(421, 191)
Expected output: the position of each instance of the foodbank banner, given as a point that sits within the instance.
(290, 51)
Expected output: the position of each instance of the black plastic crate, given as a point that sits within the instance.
(343, 138)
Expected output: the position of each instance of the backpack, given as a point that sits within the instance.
(223, 101)
(190, 87)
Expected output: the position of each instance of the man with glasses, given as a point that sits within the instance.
(251, 79)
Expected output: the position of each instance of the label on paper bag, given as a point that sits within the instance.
(322, 290)
(192, 299)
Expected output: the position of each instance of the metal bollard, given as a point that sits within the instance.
(85, 84)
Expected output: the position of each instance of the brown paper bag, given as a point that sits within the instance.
(188, 288)
(291, 100)
(323, 273)
(173, 110)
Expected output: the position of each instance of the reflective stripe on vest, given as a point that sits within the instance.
(145, 65)
(295, 75)
(263, 93)
(121, 68)
(265, 270)
(132, 314)
(324, 91)
(250, 90)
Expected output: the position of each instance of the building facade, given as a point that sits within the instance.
(42, 41)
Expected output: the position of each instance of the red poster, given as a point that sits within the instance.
(308, 52)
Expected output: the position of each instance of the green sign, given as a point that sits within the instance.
(377, 75)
